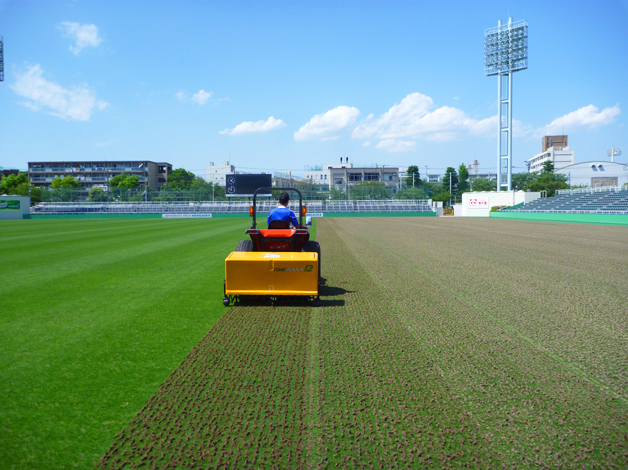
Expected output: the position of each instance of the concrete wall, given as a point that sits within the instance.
(478, 204)
(14, 207)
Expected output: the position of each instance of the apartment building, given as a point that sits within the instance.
(555, 149)
(96, 174)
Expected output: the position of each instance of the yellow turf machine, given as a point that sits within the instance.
(276, 262)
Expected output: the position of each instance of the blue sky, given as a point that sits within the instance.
(277, 85)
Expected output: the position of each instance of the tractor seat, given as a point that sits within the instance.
(276, 233)
(278, 224)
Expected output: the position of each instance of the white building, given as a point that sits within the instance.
(217, 174)
(320, 174)
(559, 157)
(344, 178)
(345, 174)
(555, 150)
(596, 174)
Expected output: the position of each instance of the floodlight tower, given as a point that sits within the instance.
(505, 52)
(1, 59)
(613, 152)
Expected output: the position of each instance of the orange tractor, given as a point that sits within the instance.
(277, 261)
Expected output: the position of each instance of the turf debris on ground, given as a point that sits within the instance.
(442, 343)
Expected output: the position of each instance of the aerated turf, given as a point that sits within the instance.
(442, 343)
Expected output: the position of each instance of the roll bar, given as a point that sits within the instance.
(277, 189)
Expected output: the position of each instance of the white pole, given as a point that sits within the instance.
(499, 120)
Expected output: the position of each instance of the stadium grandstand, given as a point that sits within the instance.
(224, 207)
(609, 200)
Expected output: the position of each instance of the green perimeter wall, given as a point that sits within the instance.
(597, 219)
(260, 217)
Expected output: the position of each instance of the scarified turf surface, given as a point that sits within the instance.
(442, 343)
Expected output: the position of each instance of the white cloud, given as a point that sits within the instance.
(202, 96)
(366, 144)
(77, 103)
(259, 126)
(328, 126)
(393, 145)
(586, 117)
(84, 35)
(414, 117)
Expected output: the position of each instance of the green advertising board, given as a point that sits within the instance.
(9, 205)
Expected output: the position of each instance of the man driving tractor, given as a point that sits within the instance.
(282, 212)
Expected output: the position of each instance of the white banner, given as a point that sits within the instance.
(186, 216)
(478, 202)
(315, 214)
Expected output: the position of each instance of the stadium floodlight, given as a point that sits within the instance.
(1, 59)
(505, 52)
(613, 152)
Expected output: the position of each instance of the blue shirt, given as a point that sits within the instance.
(282, 213)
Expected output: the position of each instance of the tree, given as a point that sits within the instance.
(180, 179)
(463, 184)
(450, 173)
(413, 178)
(547, 180)
(124, 181)
(65, 182)
(411, 193)
(20, 186)
(441, 194)
(522, 181)
(335, 193)
(368, 190)
(550, 182)
(97, 195)
(205, 191)
(483, 184)
(9, 184)
(64, 189)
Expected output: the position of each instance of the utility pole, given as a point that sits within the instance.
(450, 189)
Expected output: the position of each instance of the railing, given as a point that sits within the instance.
(539, 211)
(224, 207)
(602, 189)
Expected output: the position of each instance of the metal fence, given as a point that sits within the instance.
(603, 189)
(224, 207)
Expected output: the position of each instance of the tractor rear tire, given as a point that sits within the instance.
(245, 245)
(314, 247)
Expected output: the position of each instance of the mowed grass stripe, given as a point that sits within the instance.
(83, 348)
(529, 406)
(76, 252)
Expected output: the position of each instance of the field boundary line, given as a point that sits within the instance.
(313, 376)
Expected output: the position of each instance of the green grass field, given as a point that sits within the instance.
(95, 315)
(442, 342)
